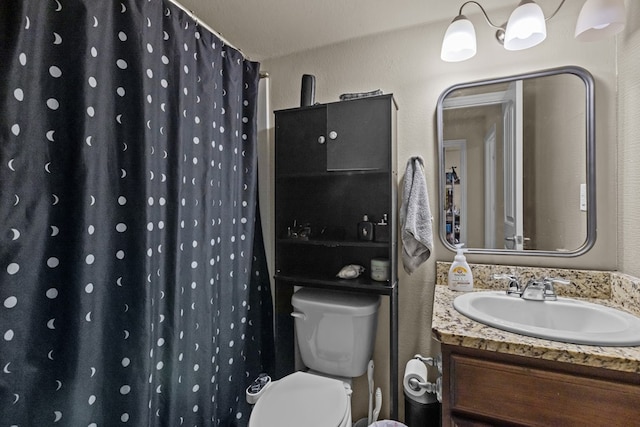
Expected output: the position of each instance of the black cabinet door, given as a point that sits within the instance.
(341, 136)
(358, 134)
(301, 141)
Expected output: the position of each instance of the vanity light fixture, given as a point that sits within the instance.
(600, 18)
(527, 27)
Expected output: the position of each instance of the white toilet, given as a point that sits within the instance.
(336, 334)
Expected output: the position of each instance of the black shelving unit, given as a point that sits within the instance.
(334, 163)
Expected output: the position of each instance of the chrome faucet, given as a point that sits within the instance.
(542, 289)
(534, 289)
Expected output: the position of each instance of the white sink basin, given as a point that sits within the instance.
(565, 320)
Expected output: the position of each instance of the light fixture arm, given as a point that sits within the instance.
(500, 33)
(501, 27)
(486, 17)
(556, 11)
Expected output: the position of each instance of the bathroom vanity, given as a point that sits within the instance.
(494, 377)
(483, 387)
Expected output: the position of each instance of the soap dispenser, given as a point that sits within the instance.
(365, 229)
(460, 276)
(382, 229)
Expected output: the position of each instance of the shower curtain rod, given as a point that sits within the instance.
(208, 28)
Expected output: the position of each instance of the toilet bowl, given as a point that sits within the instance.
(303, 399)
(335, 333)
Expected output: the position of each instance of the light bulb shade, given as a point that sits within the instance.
(459, 42)
(526, 27)
(600, 18)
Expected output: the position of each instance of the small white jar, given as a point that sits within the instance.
(380, 269)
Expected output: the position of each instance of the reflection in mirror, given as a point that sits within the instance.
(517, 164)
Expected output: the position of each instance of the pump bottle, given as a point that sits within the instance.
(365, 229)
(460, 276)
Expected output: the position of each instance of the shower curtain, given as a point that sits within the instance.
(133, 283)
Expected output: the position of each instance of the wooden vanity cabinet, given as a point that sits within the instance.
(485, 388)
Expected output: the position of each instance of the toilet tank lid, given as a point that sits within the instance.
(335, 301)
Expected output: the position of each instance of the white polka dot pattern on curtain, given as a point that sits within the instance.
(131, 289)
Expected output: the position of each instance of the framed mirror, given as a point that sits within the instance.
(517, 164)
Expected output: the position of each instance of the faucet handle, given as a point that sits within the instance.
(504, 276)
(557, 281)
(549, 290)
(514, 287)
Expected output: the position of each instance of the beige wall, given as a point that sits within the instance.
(628, 175)
(407, 63)
(559, 141)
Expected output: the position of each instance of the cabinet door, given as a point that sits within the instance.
(517, 394)
(359, 133)
(301, 141)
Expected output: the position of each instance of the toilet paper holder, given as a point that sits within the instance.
(435, 387)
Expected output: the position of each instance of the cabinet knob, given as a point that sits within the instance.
(321, 140)
(333, 135)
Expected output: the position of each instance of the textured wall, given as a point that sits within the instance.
(407, 63)
(629, 144)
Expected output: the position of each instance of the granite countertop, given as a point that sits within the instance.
(451, 327)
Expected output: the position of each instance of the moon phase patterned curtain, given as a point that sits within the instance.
(130, 289)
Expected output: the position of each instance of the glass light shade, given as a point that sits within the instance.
(526, 27)
(459, 42)
(600, 18)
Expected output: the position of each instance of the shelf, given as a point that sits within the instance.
(361, 284)
(329, 187)
(329, 174)
(335, 243)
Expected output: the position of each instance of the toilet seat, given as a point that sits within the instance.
(303, 399)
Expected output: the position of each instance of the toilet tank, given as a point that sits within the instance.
(336, 331)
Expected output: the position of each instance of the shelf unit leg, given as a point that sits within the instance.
(393, 351)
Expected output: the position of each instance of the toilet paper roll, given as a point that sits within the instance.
(418, 370)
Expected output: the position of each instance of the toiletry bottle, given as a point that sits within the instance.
(460, 277)
(365, 229)
(382, 229)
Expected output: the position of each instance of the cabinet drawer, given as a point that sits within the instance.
(529, 396)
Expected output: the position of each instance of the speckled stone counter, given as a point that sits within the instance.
(612, 289)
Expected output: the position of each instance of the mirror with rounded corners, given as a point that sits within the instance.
(517, 164)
